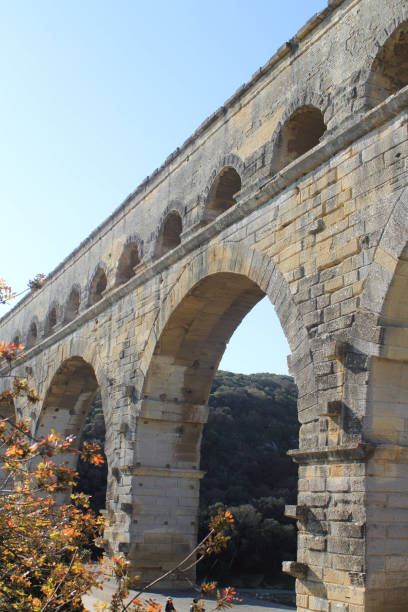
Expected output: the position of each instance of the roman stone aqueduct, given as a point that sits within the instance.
(297, 188)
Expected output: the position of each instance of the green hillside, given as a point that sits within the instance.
(252, 423)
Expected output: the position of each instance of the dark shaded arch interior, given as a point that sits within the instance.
(222, 192)
(32, 335)
(127, 262)
(98, 286)
(170, 235)
(301, 132)
(196, 336)
(73, 304)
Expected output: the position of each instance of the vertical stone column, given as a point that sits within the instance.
(331, 522)
(163, 522)
(386, 425)
(331, 510)
(154, 489)
(117, 404)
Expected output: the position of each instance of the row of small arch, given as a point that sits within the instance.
(220, 198)
(128, 261)
(299, 133)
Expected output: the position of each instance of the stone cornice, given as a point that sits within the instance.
(337, 454)
(156, 472)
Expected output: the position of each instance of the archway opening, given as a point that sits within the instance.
(51, 320)
(32, 335)
(72, 307)
(173, 411)
(66, 408)
(248, 471)
(127, 263)
(385, 425)
(92, 480)
(389, 72)
(7, 410)
(98, 286)
(221, 195)
(300, 134)
(170, 234)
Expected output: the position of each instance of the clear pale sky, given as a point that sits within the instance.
(96, 94)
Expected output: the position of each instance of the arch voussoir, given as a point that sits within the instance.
(230, 258)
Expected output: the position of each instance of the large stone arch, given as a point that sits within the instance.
(201, 311)
(76, 350)
(229, 258)
(69, 391)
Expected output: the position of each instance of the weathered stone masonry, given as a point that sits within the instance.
(297, 188)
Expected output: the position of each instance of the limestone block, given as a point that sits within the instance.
(319, 604)
(295, 569)
(297, 512)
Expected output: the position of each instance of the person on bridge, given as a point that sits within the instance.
(169, 605)
(196, 607)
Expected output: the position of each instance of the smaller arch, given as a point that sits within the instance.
(170, 233)
(220, 197)
(16, 340)
(300, 133)
(51, 320)
(98, 285)
(7, 409)
(73, 304)
(52, 317)
(389, 70)
(128, 260)
(32, 335)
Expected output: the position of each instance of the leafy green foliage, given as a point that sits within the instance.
(252, 423)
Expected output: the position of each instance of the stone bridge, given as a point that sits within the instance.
(297, 188)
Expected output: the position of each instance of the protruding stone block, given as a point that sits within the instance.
(331, 408)
(316, 226)
(295, 569)
(337, 349)
(297, 512)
